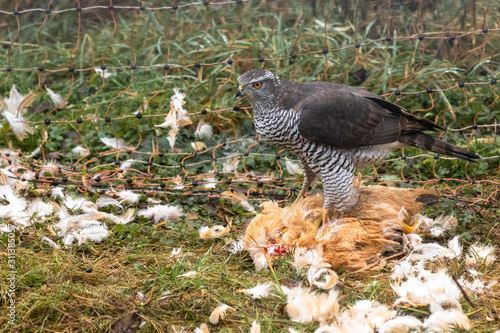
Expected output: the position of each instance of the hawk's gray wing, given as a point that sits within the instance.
(347, 117)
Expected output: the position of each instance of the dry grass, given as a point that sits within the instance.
(87, 289)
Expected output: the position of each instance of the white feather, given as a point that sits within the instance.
(402, 270)
(126, 165)
(425, 287)
(15, 209)
(481, 254)
(107, 201)
(219, 313)
(430, 251)
(51, 243)
(413, 240)
(210, 183)
(259, 291)
(176, 252)
(444, 321)
(128, 196)
(236, 246)
(216, 231)
(476, 285)
(202, 329)
(255, 327)
(455, 248)
(13, 112)
(323, 277)
(96, 233)
(56, 98)
(188, 274)
(14, 100)
(162, 213)
(304, 306)
(39, 207)
(35, 152)
(125, 218)
(114, 143)
(293, 168)
(103, 73)
(303, 257)
(17, 124)
(57, 192)
(401, 324)
(203, 130)
(79, 150)
(231, 165)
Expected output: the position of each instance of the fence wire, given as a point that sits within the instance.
(94, 84)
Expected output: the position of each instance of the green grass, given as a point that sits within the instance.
(88, 288)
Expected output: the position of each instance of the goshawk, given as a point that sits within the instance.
(333, 128)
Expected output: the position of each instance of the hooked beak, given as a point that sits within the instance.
(239, 92)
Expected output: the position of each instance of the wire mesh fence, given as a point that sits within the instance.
(140, 95)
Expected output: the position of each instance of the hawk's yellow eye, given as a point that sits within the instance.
(257, 84)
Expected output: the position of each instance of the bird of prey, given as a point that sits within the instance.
(333, 128)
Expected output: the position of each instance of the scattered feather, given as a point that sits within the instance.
(188, 274)
(142, 297)
(210, 183)
(214, 232)
(412, 240)
(231, 165)
(128, 196)
(96, 233)
(176, 117)
(80, 151)
(198, 145)
(425, 287)
(40, 208)
(57, 192)
(176, 252)
(14, 108)
(401, 324)
(235, 246)
(304, 306)
(202, 329)
(162, 213)
(476, 285)
(35, 152)
(255, 327)
(125, 218)
(56, 98)
(204, 130)
(219, 313)
(444, 321)
(103, 73)
(107, 201)
(238, 198)
(115, 143)
(293, 168)
(259, 291)
(430, 251)
(323, 278)
(52, 244)
(126, 164)
(479, 254)
(454, 247)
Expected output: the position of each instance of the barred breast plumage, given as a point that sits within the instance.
(334, 128)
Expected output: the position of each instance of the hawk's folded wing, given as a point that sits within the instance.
(351, 118)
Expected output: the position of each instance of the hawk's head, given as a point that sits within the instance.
(259, 86)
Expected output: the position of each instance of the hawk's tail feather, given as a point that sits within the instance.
(436, 145)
